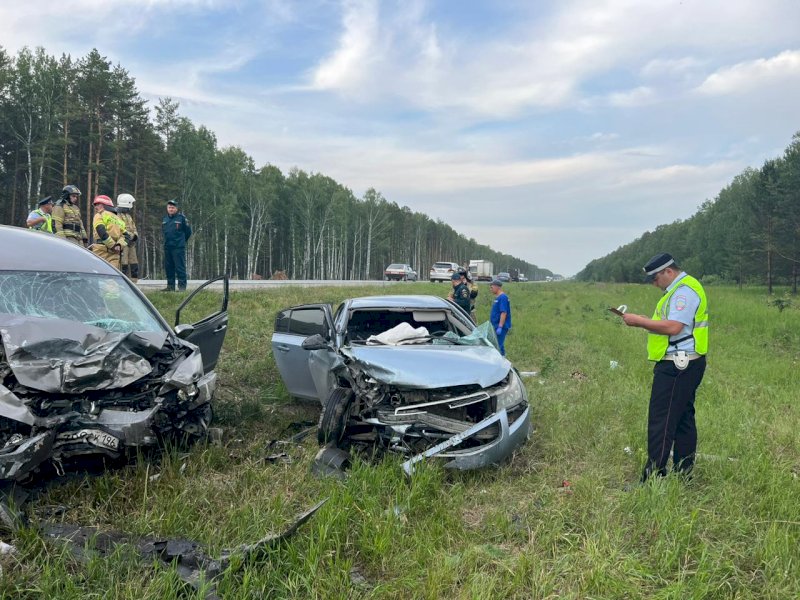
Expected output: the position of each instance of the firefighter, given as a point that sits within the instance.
(108, 232)
(129, 259)
(41, 219)
(67, 221)
(466, 279)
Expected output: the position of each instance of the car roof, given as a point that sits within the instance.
(408, 301)
(26, 250)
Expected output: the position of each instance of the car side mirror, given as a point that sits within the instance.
(314, 342)
(184, 330)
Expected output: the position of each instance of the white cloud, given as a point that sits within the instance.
(753, 74)
(639, 96)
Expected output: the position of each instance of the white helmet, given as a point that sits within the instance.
(125, 201)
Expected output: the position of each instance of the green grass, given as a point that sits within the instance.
(512, 532)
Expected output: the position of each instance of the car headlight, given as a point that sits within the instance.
(512, 394)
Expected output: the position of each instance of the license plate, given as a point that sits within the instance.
(95, 437)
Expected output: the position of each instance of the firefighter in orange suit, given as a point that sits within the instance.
(130, 261)
(108, 232)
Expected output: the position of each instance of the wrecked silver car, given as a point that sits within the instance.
(405, 374)
(88, 367)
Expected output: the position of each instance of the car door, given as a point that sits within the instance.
(209, 332)
(292, 326)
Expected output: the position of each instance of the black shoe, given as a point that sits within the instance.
(167, 289)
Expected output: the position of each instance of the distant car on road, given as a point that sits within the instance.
(400, 272)
(522, 278)
(503, 276)
(442, 271)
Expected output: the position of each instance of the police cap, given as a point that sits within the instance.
(46, 200)
(658, 263)
(173, 202)
(456, 275)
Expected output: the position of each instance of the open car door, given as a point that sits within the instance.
(292, 327)
(209, 332)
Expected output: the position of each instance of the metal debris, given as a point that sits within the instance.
(191, 562)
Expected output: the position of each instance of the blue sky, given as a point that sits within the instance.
(552, 130)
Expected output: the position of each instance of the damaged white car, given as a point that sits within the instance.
(405, 374)
(88, 367)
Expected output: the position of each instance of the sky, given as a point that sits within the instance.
(555, 131)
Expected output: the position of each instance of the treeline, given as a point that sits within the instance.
(83, 122)
(750, 233)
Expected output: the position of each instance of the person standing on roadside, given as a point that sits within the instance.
(41, 219)
(129, 259)
(460, 292)
(177, 231)
(677, 341)
(108, 232)
(67, 221)
(466, 278)
(500, 317)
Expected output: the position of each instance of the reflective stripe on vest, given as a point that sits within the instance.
(657, 343)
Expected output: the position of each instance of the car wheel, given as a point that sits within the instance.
(333, 420)
(386, 278)
(432, 280)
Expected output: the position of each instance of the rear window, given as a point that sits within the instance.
(395, 267)
(443, 265)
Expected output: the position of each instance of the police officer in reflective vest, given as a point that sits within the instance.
(67, 221)
(129, 259)
(176, 230)
(108, 232)
(677, 342)
(41, 219)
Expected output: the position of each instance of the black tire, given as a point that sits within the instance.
(333, 419)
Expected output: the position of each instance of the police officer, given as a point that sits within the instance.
(677, 341)
(108, 232)
(129, 259)
(460, 292)
(67, 221)
(41, 219)
(176, 230)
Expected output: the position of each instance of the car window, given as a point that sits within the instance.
(443, 266)
(395, 266)
(282, 321)
(307, 321)
(105, 301)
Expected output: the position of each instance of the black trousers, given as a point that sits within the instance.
(175, 265)
(670, 423)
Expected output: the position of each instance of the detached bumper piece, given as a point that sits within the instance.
(514, 426)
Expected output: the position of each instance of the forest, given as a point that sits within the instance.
(83, 121)
(749, 233)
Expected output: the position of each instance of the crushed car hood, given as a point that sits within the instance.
(57, 355)
(431, 367)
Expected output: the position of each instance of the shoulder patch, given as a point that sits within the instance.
(680, 302)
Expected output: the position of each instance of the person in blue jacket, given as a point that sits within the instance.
(176, 229)
(500, 316)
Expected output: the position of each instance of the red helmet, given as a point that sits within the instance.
(102, 199)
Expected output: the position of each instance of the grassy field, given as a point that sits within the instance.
(553, 523)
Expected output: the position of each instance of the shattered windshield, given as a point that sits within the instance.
(103, 301)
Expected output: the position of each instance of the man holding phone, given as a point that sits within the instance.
(677, 342)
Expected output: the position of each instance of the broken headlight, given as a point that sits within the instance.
(512, 394)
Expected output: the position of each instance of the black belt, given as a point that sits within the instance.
(72, 227)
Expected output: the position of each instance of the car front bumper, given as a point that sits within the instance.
(512, 435)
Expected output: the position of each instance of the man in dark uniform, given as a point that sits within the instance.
(460, 292)
(176, 230)
(677, 342)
